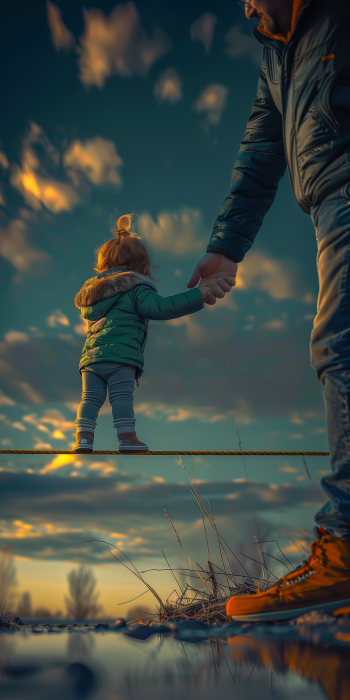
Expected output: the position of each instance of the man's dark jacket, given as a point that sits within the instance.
(300, 119)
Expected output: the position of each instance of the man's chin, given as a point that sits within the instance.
(270, 25)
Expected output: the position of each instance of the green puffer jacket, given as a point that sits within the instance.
(117, 305)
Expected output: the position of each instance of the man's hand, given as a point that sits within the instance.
(216, 272)
(207, 295)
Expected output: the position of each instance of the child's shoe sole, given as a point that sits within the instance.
(80, 449)
(133, 448)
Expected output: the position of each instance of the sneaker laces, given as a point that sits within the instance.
(306, 567)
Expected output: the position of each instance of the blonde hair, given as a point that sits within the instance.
(124, 250)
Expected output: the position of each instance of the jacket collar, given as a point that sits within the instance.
(275, 41)
(112, 270)
(107, 286)
(267, 40)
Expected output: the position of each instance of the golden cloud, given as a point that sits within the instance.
(58, 462)
(168, 87)
(61, 37)
(39, 190)
(4, 161)
(14, 247)
(258, 271)
(176, 414)
(212, 102)
(117, 44)
(96, 158)
(179, 233)
(195, 332)
(51, 417)
(15, 337)
(82, 327)
(57, 318)
(5, 401)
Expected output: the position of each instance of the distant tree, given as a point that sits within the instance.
(8, 578)
(83, 598)
(139, 612)
(24, 606)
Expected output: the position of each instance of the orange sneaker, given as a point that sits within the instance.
(326, 665)
(321, 583)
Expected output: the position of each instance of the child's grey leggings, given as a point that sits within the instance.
(119, 379)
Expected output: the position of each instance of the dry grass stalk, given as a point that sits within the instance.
(208, 603)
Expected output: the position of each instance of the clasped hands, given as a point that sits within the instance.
(217, 275)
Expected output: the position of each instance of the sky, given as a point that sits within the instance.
(140, 108)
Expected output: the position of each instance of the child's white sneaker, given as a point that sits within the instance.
(129, 442)
(84, 442)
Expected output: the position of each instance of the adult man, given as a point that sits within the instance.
(301, 119)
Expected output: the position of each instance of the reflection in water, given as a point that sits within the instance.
(80, 647)
(328, 667)
(110, 666)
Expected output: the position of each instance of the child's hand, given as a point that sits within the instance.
(207, 295)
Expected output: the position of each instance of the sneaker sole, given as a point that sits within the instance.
(291, 614)
(135, 450)
(80, 450)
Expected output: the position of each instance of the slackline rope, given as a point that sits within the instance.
(158, 452)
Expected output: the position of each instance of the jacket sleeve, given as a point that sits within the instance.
(259, 166)
(151, 305)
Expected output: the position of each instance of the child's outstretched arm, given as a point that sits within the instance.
(153, 306)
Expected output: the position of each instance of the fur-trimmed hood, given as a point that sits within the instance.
(109, 284)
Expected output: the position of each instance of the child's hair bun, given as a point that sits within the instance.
(124, 223)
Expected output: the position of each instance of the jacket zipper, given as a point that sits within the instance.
(284, 70)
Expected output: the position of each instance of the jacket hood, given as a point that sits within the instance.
(108, 285)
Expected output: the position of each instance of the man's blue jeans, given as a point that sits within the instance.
(330, 352)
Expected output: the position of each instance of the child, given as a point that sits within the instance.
(117, 304)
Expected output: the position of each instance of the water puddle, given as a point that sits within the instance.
(53, 663)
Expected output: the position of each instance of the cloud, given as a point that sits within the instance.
(175, 413)
(14, 247)
(203, 30)
(16, 337)
(177, 232)
(195, 332)
(5, 400)
(117, 505)
(270, 374)
(82, 327)
(258, 271)
(27, 392)
(51, 417)
(212, 101)
(242, 45)
(38, 187)
(61, 37)
(57, 318)
(57, 463)
(275, 325)
(168, 87)
(117, 44)
(4, 161)
(96, 158)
